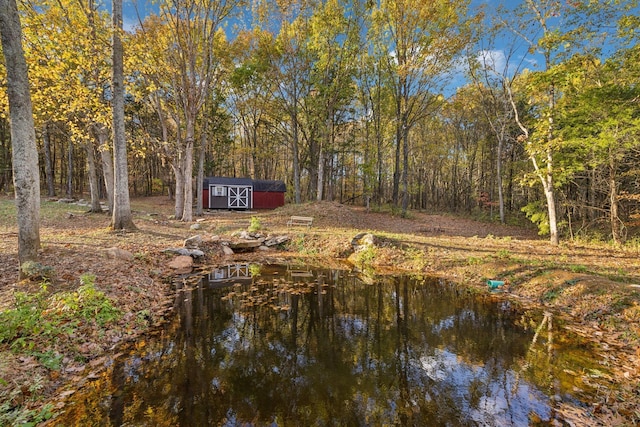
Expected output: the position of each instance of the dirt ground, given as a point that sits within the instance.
(594, 287)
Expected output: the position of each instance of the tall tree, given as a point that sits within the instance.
(291, 67)
(377, 110)
(70, 75)
(554, 31)
(492, 72)
(334, 41)
(122, 218)
(248, 98)
(195, 29)
(26, 178)
(423, 40)
(601, 120)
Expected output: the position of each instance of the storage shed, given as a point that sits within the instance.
(268, 194)
(242, 193)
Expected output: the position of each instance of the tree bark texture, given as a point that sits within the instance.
(48, 168)
(106, 155)
(93, 177)
(200, 175)
(26, 177)
(121, 218)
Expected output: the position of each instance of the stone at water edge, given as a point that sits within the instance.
(276, 240)
(363, 240)
(195, 253)
(193, 242)
(245, 244)
(227, 250)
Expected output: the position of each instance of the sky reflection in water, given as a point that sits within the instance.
(296, 347)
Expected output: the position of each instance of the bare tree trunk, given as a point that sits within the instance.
(187, 211)
(325, 142)
(26, 177)
(48, 168)
(100, 133)
(70, 170)
(296, 154)
(320, 179)
(93, 177)
(396, 169)
(121, 218)
(200, 179)
(616, 232)
(546, 177)
(499, 177)
(177, 166)
(549, 193)
(405, 169)
(549, 190)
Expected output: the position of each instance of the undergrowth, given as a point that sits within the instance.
(34, 327)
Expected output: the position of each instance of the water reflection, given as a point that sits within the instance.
(284, 346)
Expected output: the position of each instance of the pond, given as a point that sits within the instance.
(280, 346)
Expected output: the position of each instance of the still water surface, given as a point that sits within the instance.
(270, 345)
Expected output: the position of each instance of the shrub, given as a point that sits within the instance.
(255, 224)
(38, 316)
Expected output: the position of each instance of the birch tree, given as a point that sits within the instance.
(554, 32)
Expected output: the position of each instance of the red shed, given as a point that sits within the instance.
(242, 193)
(268, 194)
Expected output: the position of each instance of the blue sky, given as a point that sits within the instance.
(138, 9)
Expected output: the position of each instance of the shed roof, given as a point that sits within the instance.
(224, 180)
(268, 185)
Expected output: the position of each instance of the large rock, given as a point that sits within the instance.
(245, 235)
(193, 242)
(245, 244)
(195, 253)
(227, 250)
(276, 240)
(181, 264)
(362, 241)
(117, 253)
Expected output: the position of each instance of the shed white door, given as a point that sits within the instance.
(239, 197)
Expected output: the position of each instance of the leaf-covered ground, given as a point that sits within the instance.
(593, 287)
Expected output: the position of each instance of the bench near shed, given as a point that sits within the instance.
(300, 220)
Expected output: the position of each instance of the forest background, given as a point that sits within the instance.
(482, 108)
(468, 107)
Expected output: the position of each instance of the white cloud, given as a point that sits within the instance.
(492, 60)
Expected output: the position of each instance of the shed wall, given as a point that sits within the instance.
(267, 199)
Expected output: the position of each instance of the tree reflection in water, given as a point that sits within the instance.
(324, 348)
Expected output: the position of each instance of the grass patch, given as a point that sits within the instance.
(365, 257)
(578, 268)
(417, 258)
(472, 260)
(503, 254)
